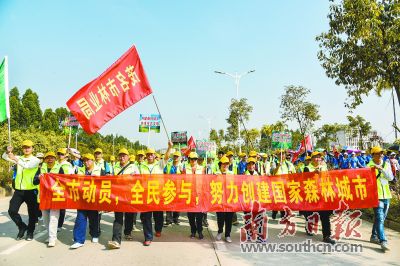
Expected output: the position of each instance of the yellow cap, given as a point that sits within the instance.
(112, 158)
(141, 152)
(123, 151)
(315, 153)
(132, 158)
(62, 150)
(308, 157)
(229, 153)
(376, 149)
(177, 153)
(193, 155)
(242, 154)
(88, 156)
(50, 153)
(253, 154)
(157, 155)
(224, 159)
(27, 143)
(98, 150)
(251, 160)
(150, 151)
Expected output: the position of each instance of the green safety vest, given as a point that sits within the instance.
(248, 173)
(148, 169)
(169, 167)
(24, 177)
(189, 171)
(129, 170)
(286, 168)
(95, 172)
(383, 189)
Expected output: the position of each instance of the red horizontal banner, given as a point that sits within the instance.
(209, 193)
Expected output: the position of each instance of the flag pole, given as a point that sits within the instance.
(7, 97)
(162, 120)
(69, 137)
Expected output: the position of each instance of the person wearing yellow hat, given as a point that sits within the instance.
(67, 169)
(383, 176)
(317, 166)
(101, 163)
(25, 168)
(50, 217)
(215, 167)
(251, 167)
(140, 156)
(148, 167)
(232, 163)
(259, 164)
(83, 216)
(266, 164)
(112, 164)
(224, 218)
(242, 163)
(123, 167)
(195, 218)
(284, 167)
(173, 168)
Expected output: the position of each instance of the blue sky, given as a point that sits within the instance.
(56, 47)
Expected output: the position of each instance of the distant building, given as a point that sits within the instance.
(351, 138)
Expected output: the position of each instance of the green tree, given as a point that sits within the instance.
(328, 133)
(239, 110)
(31, 113)
(50, 121)
(295, 107)
(15, 108)
(362, 46)
(251, 138)
(360, 127)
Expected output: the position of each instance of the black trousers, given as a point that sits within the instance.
(196, 222)
(171, 217)
(119, 221)
(61, 218)
(130, 220)
(225, 218)
(147, 226)
(30, 198)
(324, 216)
(158, 221)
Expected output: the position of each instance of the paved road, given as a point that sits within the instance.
(175, 247)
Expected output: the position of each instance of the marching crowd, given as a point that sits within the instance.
(28, 169)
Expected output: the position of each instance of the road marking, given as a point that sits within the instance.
(24, 242)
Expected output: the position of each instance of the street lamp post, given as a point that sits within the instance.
(237, 78)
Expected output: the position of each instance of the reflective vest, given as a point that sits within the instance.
(285, 168)
(45, 169)
(132, 169)
(154, 168)
(248, 173)
(189, 169)
(95, 172)
(227, 172)
(104, 166)
(382, 182)
(24, 176)
(312, 168)
(66, 167)
(169, 166)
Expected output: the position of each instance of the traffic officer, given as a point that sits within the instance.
(123, 167)
(173, 168)
(82, 216)
(195, 218)
(148, 167)
(224, 218)
(26, 167)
